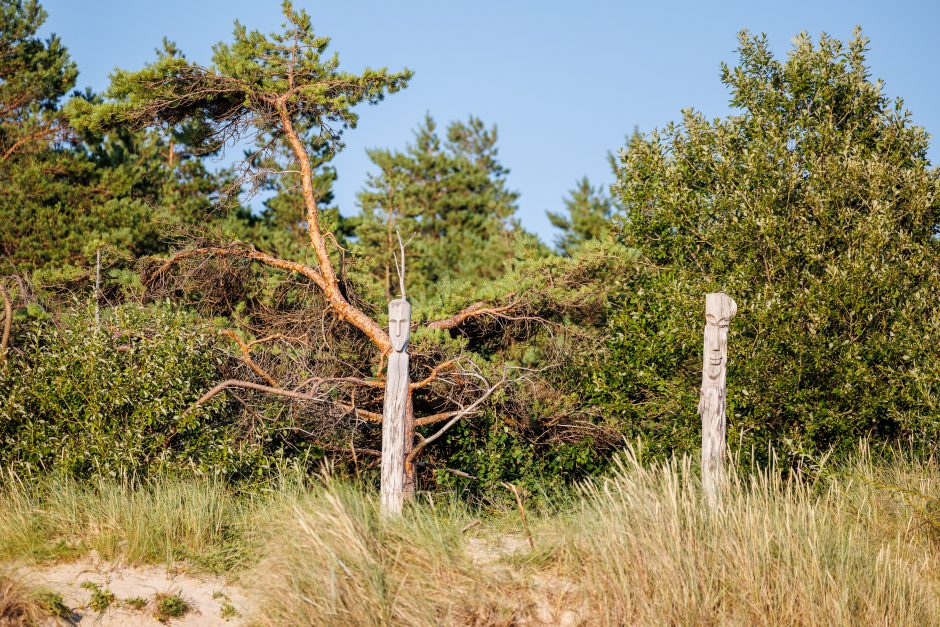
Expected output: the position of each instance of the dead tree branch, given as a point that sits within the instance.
(435, 418)
(324, 278)
(434, 374)
(246, 356)
(235, 383)
(369, 416)
(456, 417)
(525, 522)
(475, 310)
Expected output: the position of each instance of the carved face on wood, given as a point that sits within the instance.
(719, 309)
(399, 324)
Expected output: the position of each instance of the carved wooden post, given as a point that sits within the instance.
(719, 309)
(395, 408)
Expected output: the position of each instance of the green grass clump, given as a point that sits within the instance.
(156, 521)
(227, 611)
(138, 603)
(54, 604)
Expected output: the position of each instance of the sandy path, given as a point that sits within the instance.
(205, 594)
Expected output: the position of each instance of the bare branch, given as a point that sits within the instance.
(324, 278)
(369, 383)
(246, 355)
(525, 523)
(434, 374)
(400, 268)
(34, 136)
(369, 416)
(457, 416)
(475, 310)
(435, 418)
(235, 383)
(248, 252)
(277, 336)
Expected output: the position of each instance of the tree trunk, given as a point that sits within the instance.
(719, 309)
(408, 488)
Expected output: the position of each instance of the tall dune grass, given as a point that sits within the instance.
(333, 560)
(159, 521)
(850, 547)
(856, 544)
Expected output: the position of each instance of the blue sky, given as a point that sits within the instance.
(564, 81)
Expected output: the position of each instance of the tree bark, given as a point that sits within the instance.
(328, 283)
(408, 488)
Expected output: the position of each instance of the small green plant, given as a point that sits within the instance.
(228, 611)
(138, 603)
(101, 598)
(54, 605)
(169, 606)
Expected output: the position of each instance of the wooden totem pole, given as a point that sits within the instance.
(394, 447)
(719, 309)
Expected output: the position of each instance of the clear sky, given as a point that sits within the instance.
(564, 81)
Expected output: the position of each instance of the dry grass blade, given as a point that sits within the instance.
(19, 604)
(788, 551)
(335, 561)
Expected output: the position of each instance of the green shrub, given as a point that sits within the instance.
(169, 606)
(815, 207)
(101, 598)
(120, 401)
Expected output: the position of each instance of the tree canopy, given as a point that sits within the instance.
(589, 214)
(815, 206)
(447, 196)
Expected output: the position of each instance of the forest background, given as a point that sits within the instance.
(813, 203)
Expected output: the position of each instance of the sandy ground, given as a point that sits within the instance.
(206, 595)
(554, 601)
(552, 598)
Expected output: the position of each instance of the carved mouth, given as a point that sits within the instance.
(715, 361)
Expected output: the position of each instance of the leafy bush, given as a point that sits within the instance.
(816, 209)
(170, 606)
(120, 401)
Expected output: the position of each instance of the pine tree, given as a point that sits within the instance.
(449, 198)
(34, 75)
(67, 193)
(589, 212)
